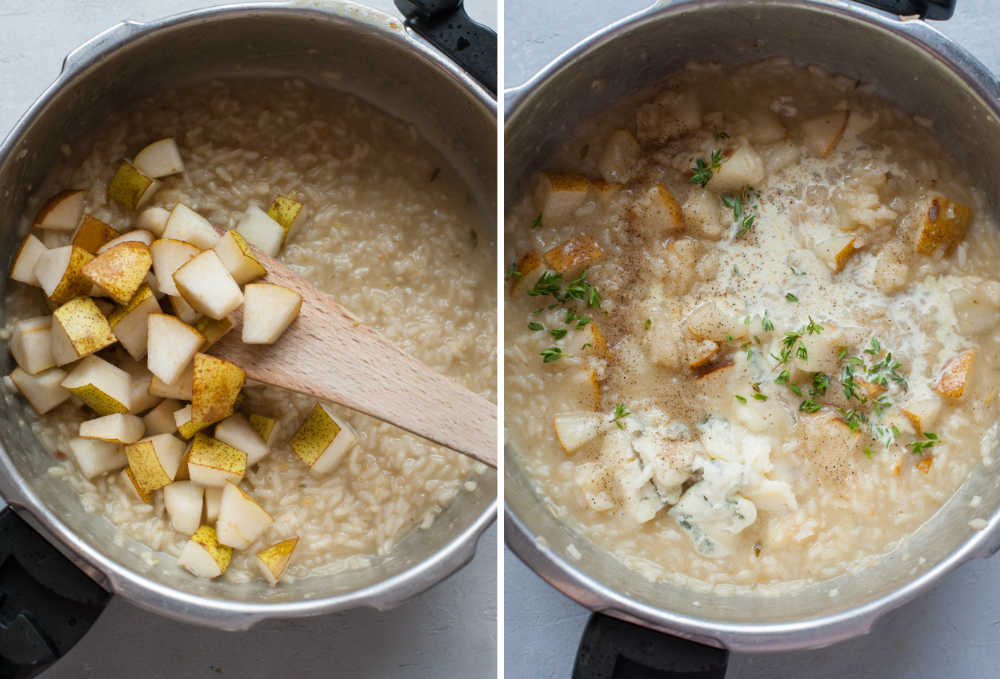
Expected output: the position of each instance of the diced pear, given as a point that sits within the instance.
(185, 427)
(120, 270)
(159, 159)
(836, 251)
(527, 267)
(62, 212)
(216, 385)
(261, 231)
(184, 224)
(268, 310)
(672, 114)
(130, 187)
(183, 310)
(213, 330)
(285, 211)
(213, 463)
(323, 440)
(203, 556)
(943, 225)
(132, 489)
(241, 520)
(715, 320)
(43, 391)
(97, 457)
(657, 211)
(153, 220)
(60, 273)
(183, 501)
(574, 430)
(141, 399)
(702, 214)
(160, 420)
(92, 234)
(266, 427)
(238, 258)
(213, 500)
(31, 344)
(579, 252)
(134, 236)
(701, 352)
(955, 375)
(115, 428)
(237, 432)
(765, 127)
(822, 134)
(171, 345)
(619, 158)
(742, 168)
(154, 460)
(595, 338)
(100, 385)
(274, 560)
(207, 286)
(179, 389)
(23, 268)
(557, 196)
(130, 323)
(79, 329)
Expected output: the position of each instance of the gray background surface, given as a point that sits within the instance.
(449, 631)
(952, 632)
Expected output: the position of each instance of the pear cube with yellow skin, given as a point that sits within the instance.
(955, 375)
(62, 212)
(214, 463)
(268, 310)
(115, 428)
(162, 158)
(179, 389)
(274, 560)
(185, 426)
(79, 329)
(237, 432)
(154, 460)
(943, 225)
(60, 273)
(168, 256)
(171, 345)
(120, 270)
(43, 391)
(23, 268)
(183, 501)
(213, 500)
(525, 272)
(92, 234)
(238, 258)
(130, 323)
(184, 224)
(261, 231)
(216, 385)
(153, 219)
(575, 430)
(106, 389)
(241, 520)
(266, 427)
(207, 286)
(160, 420)
(131, 488)
(95, 457)
(557, 196)
(285, 211)
(31, 344)
(577, 253)
(131, 188)
(323, 440)
(204, 556)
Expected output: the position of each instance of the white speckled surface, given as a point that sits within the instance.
(952, 632)
(449, 631)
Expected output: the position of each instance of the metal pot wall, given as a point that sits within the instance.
(335, 45)
(915, 67)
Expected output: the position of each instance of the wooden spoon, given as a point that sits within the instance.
(327, 353)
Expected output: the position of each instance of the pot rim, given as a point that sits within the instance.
(814, 632)
(137, 588)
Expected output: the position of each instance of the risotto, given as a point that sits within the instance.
(386, 230)
(751, 335)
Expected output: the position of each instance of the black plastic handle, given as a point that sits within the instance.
(615, 649)
(925, 9)
(446, 25)
(46, 603)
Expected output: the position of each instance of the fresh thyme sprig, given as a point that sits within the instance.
(701, 173)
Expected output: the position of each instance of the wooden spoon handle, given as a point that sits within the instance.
(329, 354)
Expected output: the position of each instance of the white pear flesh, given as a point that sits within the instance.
(60, 273)
(574, 430)
(238, 258)
(185, 427)
(237, 432)
(204, 556)
(183, 501)
(261, 231)
(23, 269)
(323, 440)
(62, 213)
(138, 236)
(116, 428)
(183, 310)
(168, 256)
(171, 345)
(184, 224)
(105, 388)
(130, 323)
(179, 389)
(162, 158)
(153, 219)
(43, 391)
(155, 460)
(213, 500)
(31, 344)
(160, 420)
(207, 286)
(141, 399)
(241, 520)
(268, 310)
(97, 457)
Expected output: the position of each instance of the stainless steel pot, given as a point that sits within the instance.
(914, 66)
(333, 44)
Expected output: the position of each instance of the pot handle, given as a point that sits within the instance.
(615, 649)
(446, 25)
(925, 9)
(46, 603)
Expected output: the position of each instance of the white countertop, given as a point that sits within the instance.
(952, 632)
(447, 632)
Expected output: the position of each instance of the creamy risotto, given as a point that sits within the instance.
(387, 229)
(752, 327)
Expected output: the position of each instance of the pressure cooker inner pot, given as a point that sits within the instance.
(633, 58)
(356, 54)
